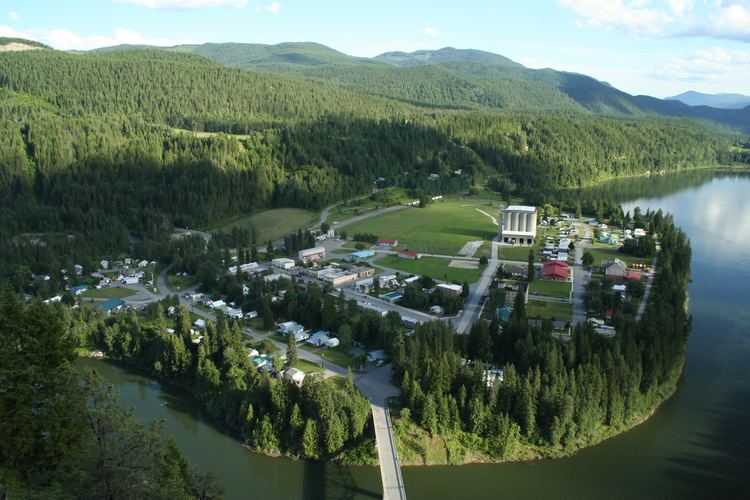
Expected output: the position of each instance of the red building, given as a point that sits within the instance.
(555, 270)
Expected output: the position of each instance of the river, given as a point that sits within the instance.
(696, 446)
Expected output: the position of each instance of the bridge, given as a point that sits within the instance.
(390, 468)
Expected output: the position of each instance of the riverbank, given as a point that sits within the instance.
(417, 448)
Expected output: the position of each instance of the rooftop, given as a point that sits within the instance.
(520, 208)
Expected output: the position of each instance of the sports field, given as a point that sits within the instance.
(108, 293)
(273, 224)
(434, 267)
(562, 311)
(442, 228)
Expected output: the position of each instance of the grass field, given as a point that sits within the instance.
(550, 288)
(363, 204)
(441, 228)
(273, 224)
(108, 293)
(434, 267)
(603, 251)
(549, 310)
(178, 283)
(308, 366)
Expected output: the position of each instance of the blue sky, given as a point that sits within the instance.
(655, 47)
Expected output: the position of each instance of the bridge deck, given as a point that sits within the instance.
(390, 468)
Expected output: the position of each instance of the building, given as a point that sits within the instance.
(78, 290)
(361, 255)
(339, 278)
(317, 339)
(142, 264)
(386, 280)
(518, 225)
(111, 305)
(283, 263)
(388, 243)
(130, 280)
(233, 313)
(332, 342)
(369, 306)
(200, 324)
(270, 278)
(104, 264)
(392, 297)
(363, 271)
(555, 270)
(78, 268)
(450, 289)
(295, 376)
(290, 327)
(312, 254)
(364, 286)
(411, 279)
(406, 254)
(615, 269)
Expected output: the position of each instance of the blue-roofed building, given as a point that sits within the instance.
(361, 255)
(78, 290)
(504, 313)
(112, 305)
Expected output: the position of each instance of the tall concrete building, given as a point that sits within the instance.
(518, 225)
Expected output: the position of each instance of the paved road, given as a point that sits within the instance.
(473, 306)
(642, 306)
(581, 276)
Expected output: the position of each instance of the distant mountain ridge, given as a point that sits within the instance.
(722, 100)
(451, 78)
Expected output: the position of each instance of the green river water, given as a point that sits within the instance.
(696, 446)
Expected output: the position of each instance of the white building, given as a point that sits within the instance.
(518, 225)
(283, 263)
(290, 327)
(275, 277)
(450, 289)
(295, 376)
(312, 254)
(104, 264)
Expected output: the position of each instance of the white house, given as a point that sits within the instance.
(331, 342)
(200, 324)
(283, 263)
(450, 289)
(217, 304)
(312, 254)
(233, 313)
(104, 264)
(251, 315)
(78, 268)
(130, 280)
(295, 376)
(290, 327)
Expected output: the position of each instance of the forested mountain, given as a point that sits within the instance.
(725, 101)
(458, 78)
(99, 147)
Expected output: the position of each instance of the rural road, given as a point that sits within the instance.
(581, 276)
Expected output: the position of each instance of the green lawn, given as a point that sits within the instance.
(549, 310)
(434, 267)
(603, 251)
(441, 228)
(339, 356)
(550, 288)
(273, 224)
(179, 283)
(518, 253)
(108, 293)
(308, 366)
(363, 204)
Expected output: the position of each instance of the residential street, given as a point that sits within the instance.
(581, 276)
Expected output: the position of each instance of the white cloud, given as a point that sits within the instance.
(721, 19)
(67, 40)
(681, 7)
(707, 65)
(431, 31)
(634, 16)
(184, 4)
(273, 8)
(13, 16)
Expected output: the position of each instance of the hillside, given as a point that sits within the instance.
(8, 44)
(724, 101)
(458, 79)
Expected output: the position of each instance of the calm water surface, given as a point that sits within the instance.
(696, 446)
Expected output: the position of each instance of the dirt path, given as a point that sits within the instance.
(494, 220)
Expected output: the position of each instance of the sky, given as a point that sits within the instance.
(653, 47)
